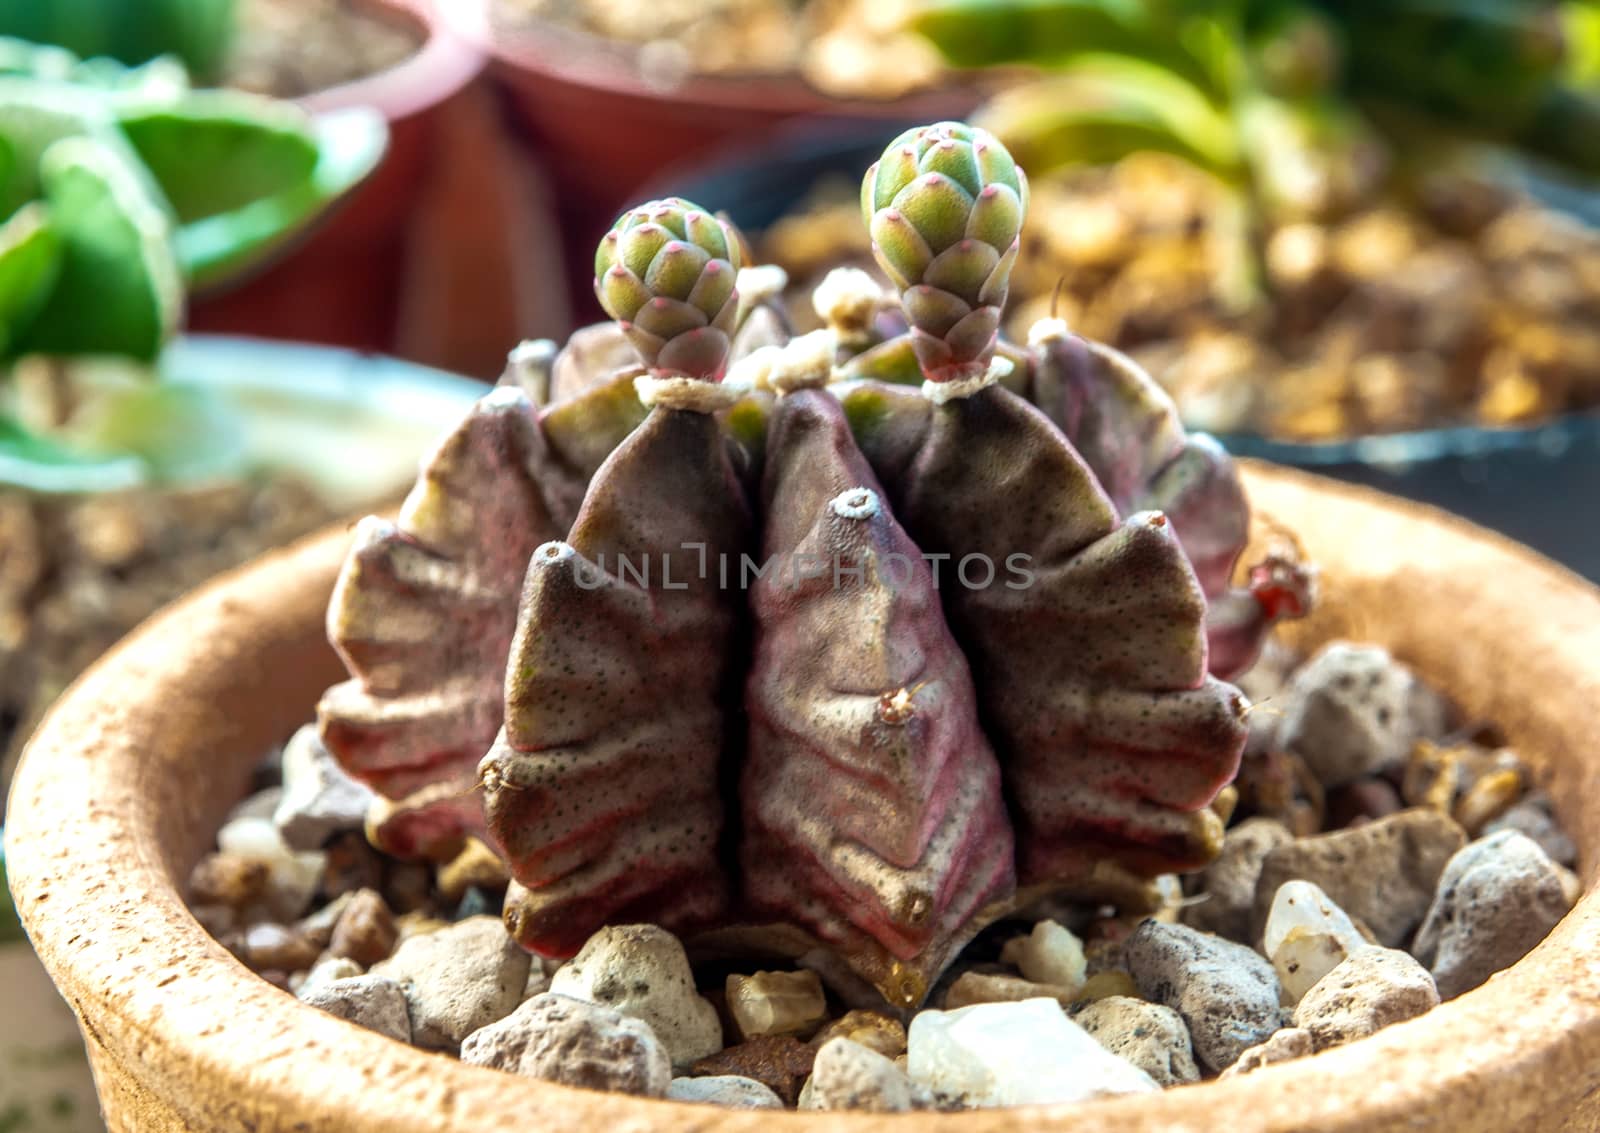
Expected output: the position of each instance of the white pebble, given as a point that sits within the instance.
(1307, 936)
(846, 1075)
(731, 1091)
(1372, 989)
(776, 1003)
(576, 1043)
(458, 980)
(1001, 1054)
(642, 971)
(319, 799)
(1050, 954)
(373, 1002)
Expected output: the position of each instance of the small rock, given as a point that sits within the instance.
(869, 1028)
(1229, 883)
(373, 1002)
(1497, 898)
(319, 799)
(458, 980)
(776, 1003)
(1373, 988)
(1002, 1054)
(728, 1090)
(1050, 954)
(989, 987)
(331, 968)
(408, 887)
(1490, 796)
(1226, 993)
(1532, 816)
(576, 1043)
(293, 877)
(279, 947)
(780, 1062)
(1348, 713)
(475, 867)
(1284, 1046)
(1103, 985)
(365, 932)
(847, 1075)
(318, 926)
(228, 880)
(1307, 936)
(1382, 873)
(1362, 801)
(1150, 1036)
(641, 970)
(352, 864)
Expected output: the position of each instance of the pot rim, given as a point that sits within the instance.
(570, 55)
(98, 898)
(443, 65)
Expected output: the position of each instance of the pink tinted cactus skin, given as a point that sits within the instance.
(860, 703)
(879, 768)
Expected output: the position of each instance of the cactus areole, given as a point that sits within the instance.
(858, 639)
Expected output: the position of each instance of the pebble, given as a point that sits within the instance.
(319, 799)
(1348, 713)
(293, 877)
(1050, 954)
(1498, 898)
(641, 970)
(993, 987)
(319, 925)
(475, 867)
(849, 1076)
(780, 1062)
(373, 1002)
(1532, 816)
(1229, 882)
(278, 947)
(1381, 873)
(869, 1028)
(1307, 936)
(1002, 1054)
(576, 1043)
(1284, 1046)
(365, 932)
(1373, 988)
(352, 864)
(1490, 796)
(329, 969)
(1152, 1037)
(228, 880)
(776, 1003)
(458, 980)
(727, 1090)
(1103, 985)
(1226, 992)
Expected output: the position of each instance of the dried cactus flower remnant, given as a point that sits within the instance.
(969, 667)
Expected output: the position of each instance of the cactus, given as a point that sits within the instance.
(862, 638)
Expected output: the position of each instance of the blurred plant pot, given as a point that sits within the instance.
(1520, 481)
(243, 444)
(369, 275)
(45, 1084)
(603, 130)
(123, 788)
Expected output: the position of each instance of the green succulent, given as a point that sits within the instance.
(121, 189)
(199, 32)
(667, 273)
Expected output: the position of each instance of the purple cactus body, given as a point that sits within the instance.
(548, 649)
(872, 807)
(602, 789)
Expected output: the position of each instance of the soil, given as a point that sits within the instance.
(292, 48)
(844, 48)
(1460, 304)
(77, 573)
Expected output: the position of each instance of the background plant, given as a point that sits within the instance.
(199, 32)
(121, 189)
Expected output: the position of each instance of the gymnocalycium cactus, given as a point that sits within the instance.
(863, 637)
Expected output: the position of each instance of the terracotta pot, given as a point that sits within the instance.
(601, 130)
(354, 280)
(125, 784)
